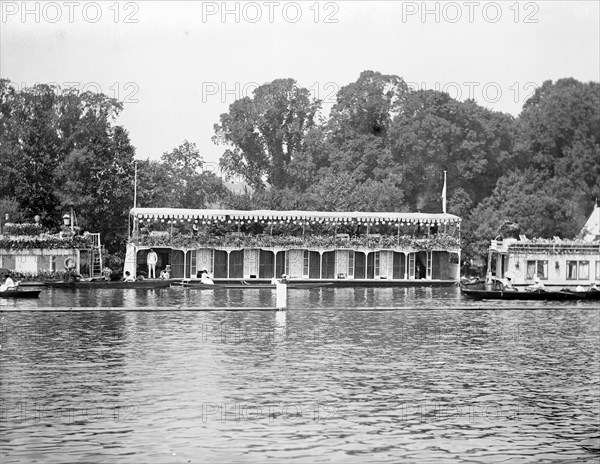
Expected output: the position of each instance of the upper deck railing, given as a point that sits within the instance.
(554, 246)
(285, 241)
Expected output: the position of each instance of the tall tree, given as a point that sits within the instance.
(266, 132)
(179, 180)
(360, 121)
(560, 132)
(60, 148)
(435, 133)
(558, 148)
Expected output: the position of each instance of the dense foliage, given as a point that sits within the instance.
(383, 147)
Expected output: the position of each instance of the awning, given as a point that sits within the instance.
(198, 215)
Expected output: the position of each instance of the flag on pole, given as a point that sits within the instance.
(444, 195)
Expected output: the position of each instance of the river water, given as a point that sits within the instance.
(344, 375)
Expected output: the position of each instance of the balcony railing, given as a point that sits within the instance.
(433, 242)
(45, 241)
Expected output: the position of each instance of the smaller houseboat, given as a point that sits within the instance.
(556, 262)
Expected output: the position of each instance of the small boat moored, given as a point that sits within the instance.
(561, 295)
(194, 283)
(18, 293)
(138, 284)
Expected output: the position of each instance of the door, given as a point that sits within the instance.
(329, 265)
(438, 258)
(359, 265)
(280, 264)
(190, 264)
(266, 265)
(314, 269)
(176, 264)
(398, 265)
(429, 265)
(411, 266)
(236, 264)
(371, 265)
(220, 264)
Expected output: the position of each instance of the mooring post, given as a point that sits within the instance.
(281, 291)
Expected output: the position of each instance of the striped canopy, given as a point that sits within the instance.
(272, 215)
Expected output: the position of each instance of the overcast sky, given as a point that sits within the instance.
(178, 65)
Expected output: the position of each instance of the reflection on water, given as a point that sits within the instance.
(311, 384)
(317, 298)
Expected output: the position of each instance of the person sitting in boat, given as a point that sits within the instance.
(71, 275)
(8, 284)
(579, 288)
(507, 283)
(128, 277)
(282, 280)
(205, 277)
(165, 274)
(593, 287)
(537, 285)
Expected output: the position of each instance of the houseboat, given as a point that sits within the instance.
(345, 248)
(555, 262)
(30, 251)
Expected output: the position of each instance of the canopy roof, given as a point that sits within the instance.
(272, 215)
(591, 229)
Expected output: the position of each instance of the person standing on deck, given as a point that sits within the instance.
(152, 260)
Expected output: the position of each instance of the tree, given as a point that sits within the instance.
(266, 132)
(359, 124)
(62, 148)
(560, 132)
(434, 133)
(367, 106)
(30, 147)
(179, 180)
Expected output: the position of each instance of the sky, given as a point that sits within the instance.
(177, 66)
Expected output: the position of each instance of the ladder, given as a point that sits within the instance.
(96, 270)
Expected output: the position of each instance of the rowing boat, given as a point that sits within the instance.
(20, 293)
(248, 286)
(561, 295)
(138, 284)
(291, 285)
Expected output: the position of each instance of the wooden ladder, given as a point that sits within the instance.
(97, 249)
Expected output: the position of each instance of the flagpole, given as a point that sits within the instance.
(134, 194)
(135, 185)
(444, 195)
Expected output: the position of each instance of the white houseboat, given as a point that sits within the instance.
(555, 262)
(346, 248)
(27, 249)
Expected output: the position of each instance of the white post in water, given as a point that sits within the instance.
(281, 291)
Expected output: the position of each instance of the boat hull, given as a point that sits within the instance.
(20, 294)
(250, 285)
(529, 295)
(316, 283)
(141, 284)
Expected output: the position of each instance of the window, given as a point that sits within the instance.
(537, 269)
(597, 270)
(377, 263)
(584, 270)
(579, 270)
(287, 264)
(571, 270)
(193, 263)
(351, 263)
(306, 263)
